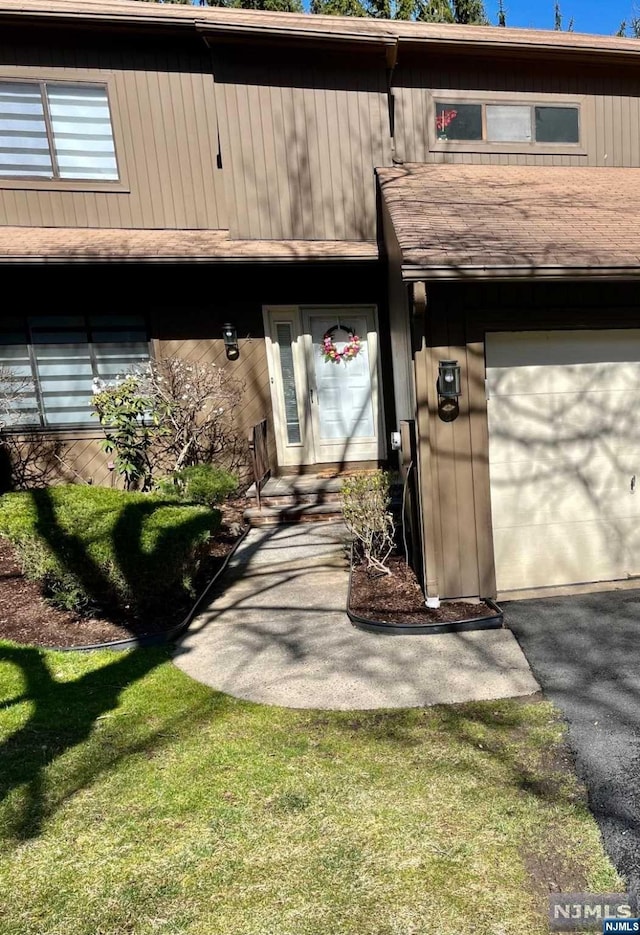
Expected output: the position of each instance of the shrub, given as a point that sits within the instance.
(365, 508)
(201, 483)
(131, 427)
(196, 404)
(93, 547)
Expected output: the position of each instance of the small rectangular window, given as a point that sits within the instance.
(517, 123)
(284, 337)
(56, 131)
(54, 360)
(557, 125)
(459, 121)
(508, 122)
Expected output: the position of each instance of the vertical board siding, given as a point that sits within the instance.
(610, 110)
(301, 142)
(163, 102)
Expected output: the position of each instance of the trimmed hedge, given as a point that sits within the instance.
(200, 483)
(94, 547)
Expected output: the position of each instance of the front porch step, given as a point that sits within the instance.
(302, 498)
(293, 513)
(303, 488)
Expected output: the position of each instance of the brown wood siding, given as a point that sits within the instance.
(610, 109)
(454, 456)
(163, 102)
(300, 142)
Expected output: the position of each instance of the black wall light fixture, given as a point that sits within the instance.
(230, 338)
(449, 389)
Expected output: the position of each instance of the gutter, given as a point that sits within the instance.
(183, 260)
(412, 273)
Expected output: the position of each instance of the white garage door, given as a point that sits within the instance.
(564, 456)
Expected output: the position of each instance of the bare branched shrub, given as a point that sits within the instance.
(29, 461)
(196, 404)
(14, 388)
(365, 508)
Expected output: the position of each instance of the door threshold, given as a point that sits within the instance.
(566, 590)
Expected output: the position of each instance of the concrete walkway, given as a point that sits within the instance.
(278, 633)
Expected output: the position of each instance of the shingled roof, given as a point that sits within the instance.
(63, 244)
(464, 221)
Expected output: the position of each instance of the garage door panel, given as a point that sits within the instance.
(510, 349)
(572, 378)
(551, 491)
(581, 424)
(582, 552)
(564, 430)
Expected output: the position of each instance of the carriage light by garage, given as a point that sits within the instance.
(230, 338)
(449, 379)
(449, 389)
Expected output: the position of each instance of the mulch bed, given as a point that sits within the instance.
(398, 598)
(26, 617)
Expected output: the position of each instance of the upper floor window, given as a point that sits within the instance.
(52, 130)
(54, 359)
(505, 122)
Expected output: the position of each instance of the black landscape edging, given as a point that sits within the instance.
(157, 639)
(493, 622)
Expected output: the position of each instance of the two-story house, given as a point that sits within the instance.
(447, 193)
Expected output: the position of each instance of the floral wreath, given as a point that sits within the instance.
(351, 349)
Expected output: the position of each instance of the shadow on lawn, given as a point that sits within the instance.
(63, 715)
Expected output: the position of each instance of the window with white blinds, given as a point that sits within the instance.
(56, 131)
(54, 360)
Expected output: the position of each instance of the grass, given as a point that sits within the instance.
(135, 800)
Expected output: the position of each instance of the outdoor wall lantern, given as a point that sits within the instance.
(449, 389)
(230, 338)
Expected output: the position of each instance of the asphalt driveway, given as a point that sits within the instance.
(585, 653)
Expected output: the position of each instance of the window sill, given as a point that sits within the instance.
(506, 149)
(64, 185)
(63, 433)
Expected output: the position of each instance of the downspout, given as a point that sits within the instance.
(428, 504)
(391, 52)
(203, 36)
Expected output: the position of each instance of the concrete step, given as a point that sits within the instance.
(298, 513)
(303, 499)
(298, 487)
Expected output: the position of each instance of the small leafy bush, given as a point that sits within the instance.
(93, 547)
(201, 483)
(131, 427)
(365, 508)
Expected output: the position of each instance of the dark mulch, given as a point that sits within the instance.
(398, 598)
(26, 617)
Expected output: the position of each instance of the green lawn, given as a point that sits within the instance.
(137, 801)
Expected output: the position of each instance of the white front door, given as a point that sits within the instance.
(324, 411)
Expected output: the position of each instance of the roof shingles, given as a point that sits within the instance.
(91, 244)
(457, 220)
